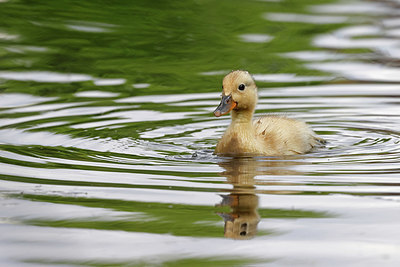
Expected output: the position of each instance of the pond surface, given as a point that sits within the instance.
(107, 133)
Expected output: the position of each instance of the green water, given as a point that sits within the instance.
(164, 43)
(107, 134)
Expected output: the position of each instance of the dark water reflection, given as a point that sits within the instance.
(107, 133)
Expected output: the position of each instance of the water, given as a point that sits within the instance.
(107, 133)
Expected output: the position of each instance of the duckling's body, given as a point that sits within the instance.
(268, 135)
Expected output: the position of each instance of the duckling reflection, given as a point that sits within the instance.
(242, 221)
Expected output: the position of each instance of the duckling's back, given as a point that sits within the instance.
(285, 136)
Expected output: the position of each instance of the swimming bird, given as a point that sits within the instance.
(269, 135)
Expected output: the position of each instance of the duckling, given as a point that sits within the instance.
(266, 136)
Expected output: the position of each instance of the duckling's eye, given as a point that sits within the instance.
(241, 87)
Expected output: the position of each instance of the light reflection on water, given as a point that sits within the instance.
(104, 177)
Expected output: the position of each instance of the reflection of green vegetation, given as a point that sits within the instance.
(291, 214)
(176, 219)
(161, 218)
(166, 44)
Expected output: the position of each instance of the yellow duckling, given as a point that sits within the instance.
(265, 136)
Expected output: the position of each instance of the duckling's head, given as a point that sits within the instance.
(239, 93)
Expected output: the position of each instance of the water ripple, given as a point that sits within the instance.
(108, 163)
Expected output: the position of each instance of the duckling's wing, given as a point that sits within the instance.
(285, 135)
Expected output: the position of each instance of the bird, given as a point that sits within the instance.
(270, 135)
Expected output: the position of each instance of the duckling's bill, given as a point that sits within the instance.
(226, 105)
